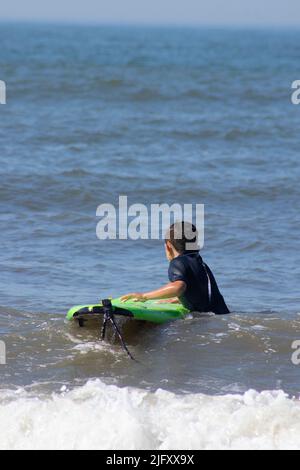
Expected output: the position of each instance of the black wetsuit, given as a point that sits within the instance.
(202, 293)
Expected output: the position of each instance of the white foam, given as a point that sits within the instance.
(87, 347)
(98, 416)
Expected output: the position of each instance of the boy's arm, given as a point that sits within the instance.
(171, 290)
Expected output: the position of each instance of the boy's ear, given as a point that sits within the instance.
(168, 250)
(169, 245)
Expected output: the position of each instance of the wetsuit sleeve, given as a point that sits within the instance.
(177, 271)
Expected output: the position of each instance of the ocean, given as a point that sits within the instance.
(162, 115)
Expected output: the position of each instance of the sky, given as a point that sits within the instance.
(202, 12)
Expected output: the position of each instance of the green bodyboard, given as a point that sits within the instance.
(152, 311)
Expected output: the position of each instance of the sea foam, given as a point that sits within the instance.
(99, 416)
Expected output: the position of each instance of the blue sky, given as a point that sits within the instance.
(209, 12)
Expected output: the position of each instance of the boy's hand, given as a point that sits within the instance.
(135, 297)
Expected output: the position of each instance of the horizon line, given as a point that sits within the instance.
(146, 24)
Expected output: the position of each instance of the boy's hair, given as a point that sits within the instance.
(183, 236)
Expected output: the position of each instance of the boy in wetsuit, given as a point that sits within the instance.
(191, 281)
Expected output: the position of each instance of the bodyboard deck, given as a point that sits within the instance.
(152, 311)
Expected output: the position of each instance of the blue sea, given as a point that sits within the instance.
(161, 115)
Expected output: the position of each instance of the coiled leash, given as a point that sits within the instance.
(109, 317)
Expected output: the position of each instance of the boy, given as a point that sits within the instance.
(191, 281)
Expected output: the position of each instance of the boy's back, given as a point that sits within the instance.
(202, 293)
(191, 280)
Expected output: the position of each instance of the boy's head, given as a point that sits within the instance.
(180, 238)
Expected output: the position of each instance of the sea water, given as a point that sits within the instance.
(161, 115)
